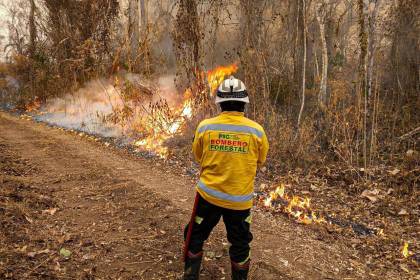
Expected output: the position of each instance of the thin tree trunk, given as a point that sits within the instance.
(374, 120)
(296, 49)
(144, 16)
(303, 66)
(363, 39)
(316, 63)
(373, 7)
(133, 31)
(372, 10)
(144, 37)
(320, 15)
(32, 29)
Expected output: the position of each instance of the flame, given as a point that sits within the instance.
(170, 126)
(165, 127)
(404, 251)
(34, 105)
(216, 76)
(295, 206)
(159, 134)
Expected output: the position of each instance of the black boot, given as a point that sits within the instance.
(240, 271)
(192, 266)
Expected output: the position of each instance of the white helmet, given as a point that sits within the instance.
(232, 89)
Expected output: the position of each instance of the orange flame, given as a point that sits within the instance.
(168, 128)
(297, 207)
(157, 135)
(216, 76)
(34, 105)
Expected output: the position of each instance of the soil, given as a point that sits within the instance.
(74, 208)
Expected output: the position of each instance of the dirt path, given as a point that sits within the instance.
(121, 217)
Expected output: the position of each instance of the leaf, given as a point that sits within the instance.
(403, 212)
(45, 251)
(404, 267)
(313, 187)
(285, 262)
(65, 253)
(23, 249)
(394, 172)
(372, 195)
(33, 254)
(50, 211)
(410, 153)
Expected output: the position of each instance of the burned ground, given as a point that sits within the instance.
(121, 217)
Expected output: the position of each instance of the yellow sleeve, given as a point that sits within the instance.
(263, 150)
(197, 146)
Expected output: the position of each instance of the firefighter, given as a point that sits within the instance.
(229, 149)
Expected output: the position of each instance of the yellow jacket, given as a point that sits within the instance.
(229, 148)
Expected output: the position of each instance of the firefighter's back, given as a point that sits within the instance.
(231, 146)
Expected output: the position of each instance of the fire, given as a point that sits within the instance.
(172, 125)
(34, 105)
(165, 127)
(216, 76)
(295, 206)
(117, 107)
(404, 251)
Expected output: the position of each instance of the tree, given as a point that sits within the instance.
(144, 37)
(32, 29)
(133, 31)
(304, 64)
(320, 16)
(372, 14)
(251, 58)
(143, 11)
(187, 42)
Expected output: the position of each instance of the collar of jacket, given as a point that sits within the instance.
(232, 113)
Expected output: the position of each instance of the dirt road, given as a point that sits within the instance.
(121, 217)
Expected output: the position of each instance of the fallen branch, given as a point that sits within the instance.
(409, 134)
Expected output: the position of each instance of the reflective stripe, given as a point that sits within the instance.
(198, 219)
(249, 219)
(224, 196)
(231, 128)
(246, 260)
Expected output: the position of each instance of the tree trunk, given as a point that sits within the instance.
(187, 37)
(296, 51)
(144, 16)
(133, 32)
(372, 10)
(320, 15)
(363, 40)
(373, 6)
(303, 66)
(145, 37)
(32, 29)
(251, 23)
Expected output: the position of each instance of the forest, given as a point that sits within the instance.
(91, 89)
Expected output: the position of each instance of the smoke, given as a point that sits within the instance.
(98, 106)
(86, 109)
